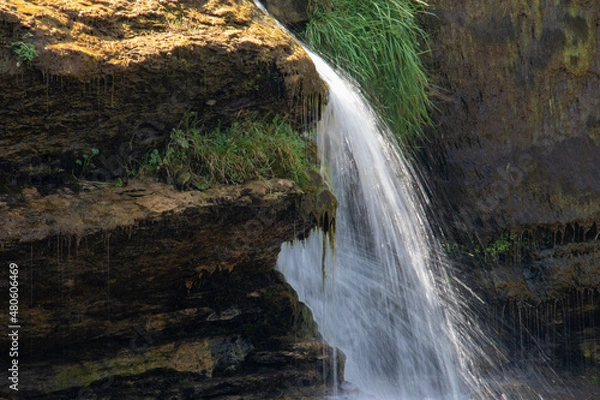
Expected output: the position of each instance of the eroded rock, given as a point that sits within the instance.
(130, 288)
(126, 290)
(515, 151)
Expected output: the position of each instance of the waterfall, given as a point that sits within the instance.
(382, 296)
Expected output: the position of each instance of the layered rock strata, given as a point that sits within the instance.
(129, 288)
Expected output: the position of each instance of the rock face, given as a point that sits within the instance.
(118, 76)
(130, 288)
(127, 290)
(292, 13)
(515, 153)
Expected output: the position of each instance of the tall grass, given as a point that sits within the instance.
(247, 150)
(379, 43)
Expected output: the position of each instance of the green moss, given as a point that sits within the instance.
(126, 364)
(324, 213)
(502, 245)
(580, 44)
(594, 135)
(77, 375)
(580, 208)
(579, 49)
(508, 247)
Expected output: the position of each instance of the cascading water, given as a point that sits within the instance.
(376, 299)
(384, 296)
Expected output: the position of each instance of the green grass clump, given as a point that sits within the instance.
(379, 43)
(247, 150)
(24, 49)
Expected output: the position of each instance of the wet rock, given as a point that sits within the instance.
(147, 292)
(516, 134)
(292, 13)
(515, 150)
(130, 288)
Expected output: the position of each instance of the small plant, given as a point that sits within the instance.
(154, 161)
(118, 182)
(85, 160)
(24, 49)
(452, 248)
(502, 245)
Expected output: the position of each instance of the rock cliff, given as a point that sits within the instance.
(514, 158)
(124, 291)
(129, 288)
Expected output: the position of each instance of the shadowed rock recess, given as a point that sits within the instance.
(514, 164)
(136, 290)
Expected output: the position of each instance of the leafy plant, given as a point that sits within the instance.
(379, 43)
(118, 182)
(247, 150)
(24, 49)
(85, 160)
(502, 245)
(154, 161)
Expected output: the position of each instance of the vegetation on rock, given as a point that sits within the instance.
(249, 149)
(117, 76)
(24, 49)
(379, 44)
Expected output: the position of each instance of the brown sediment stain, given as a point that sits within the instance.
(516, 145)
(516, 149)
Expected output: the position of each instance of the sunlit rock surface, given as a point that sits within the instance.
(118, 76)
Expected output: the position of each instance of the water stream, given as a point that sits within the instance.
(383, 296)
(386, 295)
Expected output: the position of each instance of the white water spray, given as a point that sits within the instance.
(381, 300)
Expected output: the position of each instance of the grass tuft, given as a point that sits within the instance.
(379, 43)
(245, 151)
